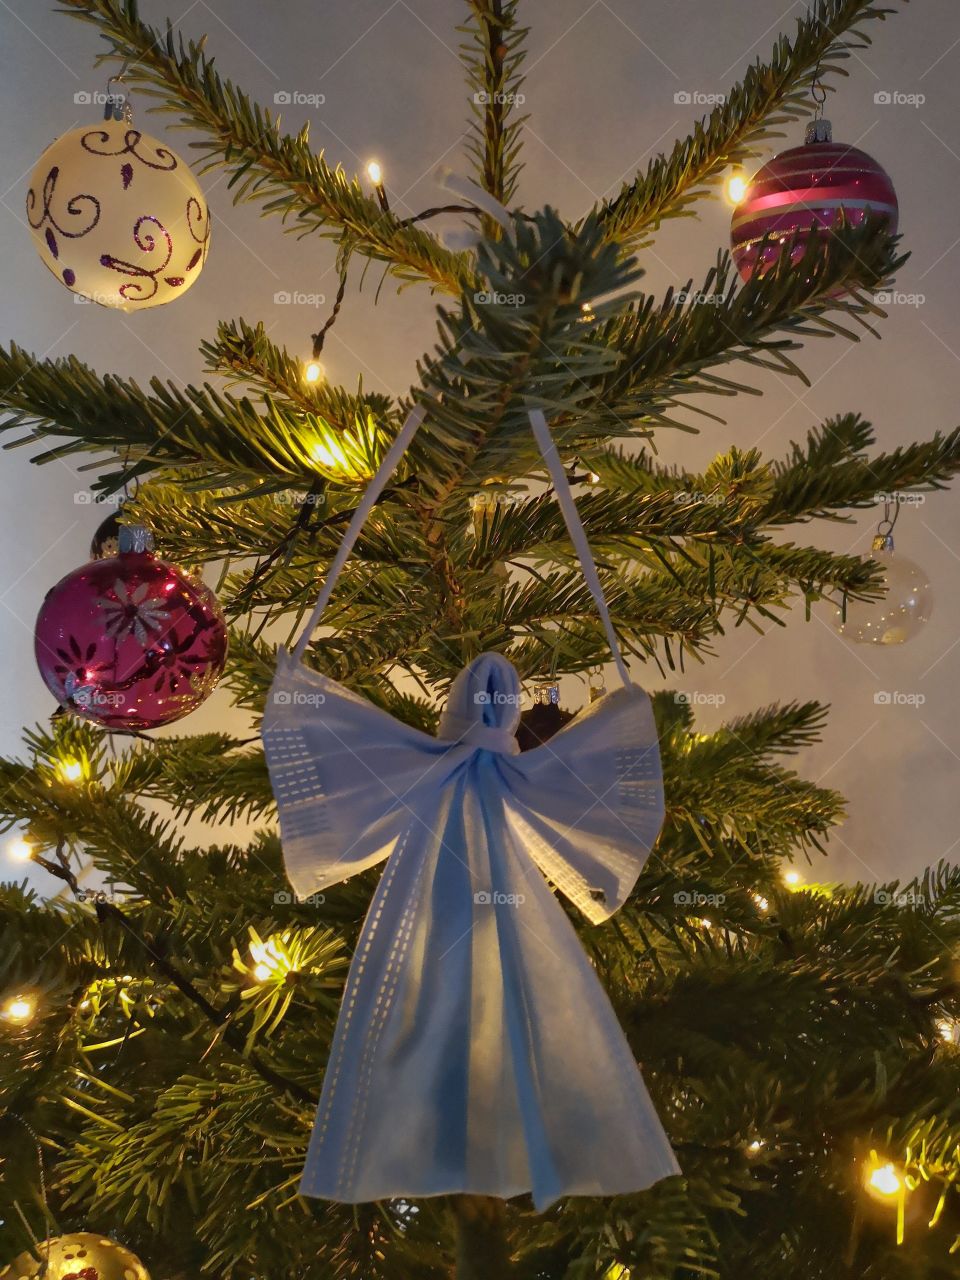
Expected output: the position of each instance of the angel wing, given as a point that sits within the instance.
(350, 779)
(347, 777)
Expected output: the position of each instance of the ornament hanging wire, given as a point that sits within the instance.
(42, 1250)
(883, 541)
(819, 94)
(117, 105)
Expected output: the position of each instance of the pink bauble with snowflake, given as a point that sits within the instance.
(130, 642)
(807, 191)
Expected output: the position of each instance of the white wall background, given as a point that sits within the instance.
(601, 91)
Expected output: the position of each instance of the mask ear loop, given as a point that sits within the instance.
(568, 509)
(571, 518)
(373, 491)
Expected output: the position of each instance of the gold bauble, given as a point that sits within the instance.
(83, 1255)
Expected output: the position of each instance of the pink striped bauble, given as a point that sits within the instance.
(807, 190)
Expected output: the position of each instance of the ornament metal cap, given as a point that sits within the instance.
(135, 537)
(819, 130)
(547, 694)
(883, 542)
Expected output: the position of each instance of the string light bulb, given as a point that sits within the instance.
(20, 1009)
(20, 850)
(887, 1184)
(329, 454)
(269, 961)
(313, 371)
(948, 1029)
(375, 174)
(763, 904)
(735, 187)
(793, 879)
(70, 770)
(885, 1181)
(755, 1147)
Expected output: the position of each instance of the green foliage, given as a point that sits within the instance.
(771, 94)
(492, 52)
(184, 1012)
(279, 171)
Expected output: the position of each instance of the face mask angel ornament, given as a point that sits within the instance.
(476, 1051)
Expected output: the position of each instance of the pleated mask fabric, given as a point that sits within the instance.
(476, 1051)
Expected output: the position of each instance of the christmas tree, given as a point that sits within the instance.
(163, 1040)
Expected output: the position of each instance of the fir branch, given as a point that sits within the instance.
(278, 170)
(492, 54)
(771, 94)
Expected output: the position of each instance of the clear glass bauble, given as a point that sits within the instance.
(902, 612)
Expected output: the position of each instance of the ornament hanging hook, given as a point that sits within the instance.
(883, 541)
(818, 129)
(819, 93)
(117, 103)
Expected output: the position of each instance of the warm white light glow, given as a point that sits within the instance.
(19, 1010)
(792, 878)
(762, 902)
(329, 455)
(70, 770)
(756, 1145)
(947, 1029)
(19, 849)
(313, 372)
(375, 173)
(885, 1181)
(269, 961)
(736, 188)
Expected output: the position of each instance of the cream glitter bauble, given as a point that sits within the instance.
(83, 1255)
(118, 217)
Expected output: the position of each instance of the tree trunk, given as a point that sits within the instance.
(482, 1252)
